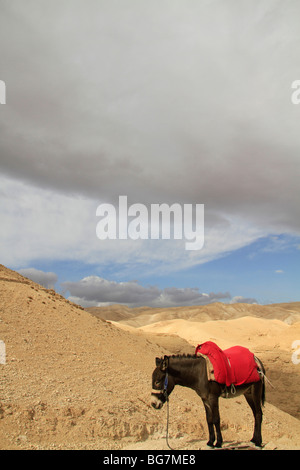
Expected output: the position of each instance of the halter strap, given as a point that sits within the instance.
(166, 382)
(164, 390)
(156, 392)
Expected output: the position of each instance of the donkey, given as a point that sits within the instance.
(190, 371)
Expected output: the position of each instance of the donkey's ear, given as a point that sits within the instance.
(158, 361)
(165, 363)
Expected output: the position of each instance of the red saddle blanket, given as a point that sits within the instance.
(235, 365)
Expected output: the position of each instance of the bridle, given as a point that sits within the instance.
(163, 391)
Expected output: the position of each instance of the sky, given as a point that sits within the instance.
(165, 102)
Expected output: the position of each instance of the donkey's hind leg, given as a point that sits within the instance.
(253, 397)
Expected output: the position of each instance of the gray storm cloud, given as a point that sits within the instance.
(46, 279)
(94, 290)
(163, 101)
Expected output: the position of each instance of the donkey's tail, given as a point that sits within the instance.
(263, 392)
(262, 374)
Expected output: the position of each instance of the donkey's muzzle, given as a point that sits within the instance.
(156, 402)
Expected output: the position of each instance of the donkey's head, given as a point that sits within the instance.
(162, 383)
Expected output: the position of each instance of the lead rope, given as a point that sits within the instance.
(167, 431)
(168, 411)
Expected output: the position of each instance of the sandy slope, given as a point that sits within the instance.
(72, 380)
(226, 333)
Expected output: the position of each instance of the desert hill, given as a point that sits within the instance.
(138, 317)
(75, 381)
(116, 312)
(70, 380)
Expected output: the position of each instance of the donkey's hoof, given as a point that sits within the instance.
(210, 444)
(218, 445)
(257, 443)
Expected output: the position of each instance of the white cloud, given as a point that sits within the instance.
(244, 300)
(41, 224)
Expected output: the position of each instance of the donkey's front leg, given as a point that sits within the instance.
(213, 419)
(214, 403)
(210, 425)
(218, 430)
